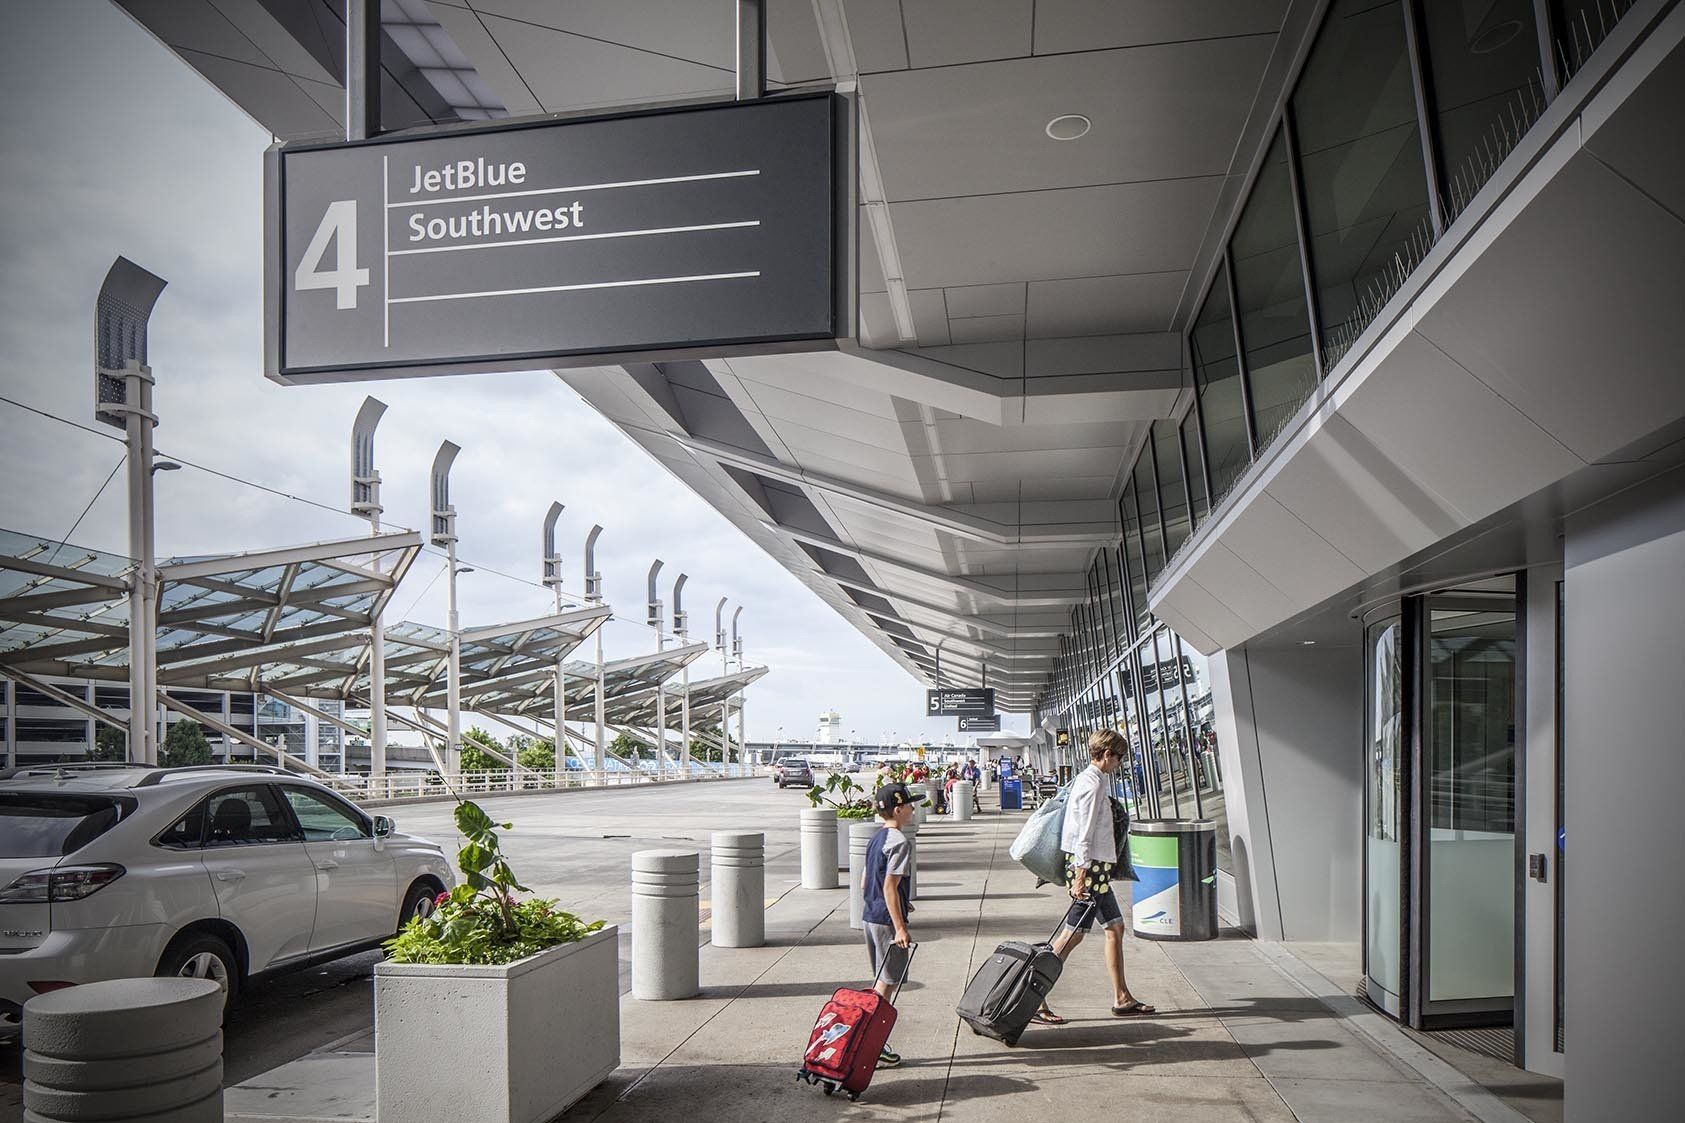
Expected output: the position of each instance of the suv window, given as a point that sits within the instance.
(51, 825)
(247, 817)
(187, 832)
(323, 819)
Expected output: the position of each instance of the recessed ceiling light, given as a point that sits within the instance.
(1069, 127)
(1307, 643)
(1494, 38)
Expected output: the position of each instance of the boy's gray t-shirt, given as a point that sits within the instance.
(897, 853)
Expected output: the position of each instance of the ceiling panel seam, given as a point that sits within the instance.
(1069, 54)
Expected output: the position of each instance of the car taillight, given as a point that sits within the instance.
(61, 883)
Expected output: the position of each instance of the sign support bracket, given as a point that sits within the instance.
(362, 69)
(751, 49)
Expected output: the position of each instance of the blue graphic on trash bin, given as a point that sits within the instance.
(1157, 894)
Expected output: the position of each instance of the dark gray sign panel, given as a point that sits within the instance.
(959, 703)
(678, 233)
(979, 724)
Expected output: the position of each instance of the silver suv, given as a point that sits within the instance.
(225, 872)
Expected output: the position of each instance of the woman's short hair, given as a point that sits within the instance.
(1103, 741)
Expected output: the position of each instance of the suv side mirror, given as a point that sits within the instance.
(383, 826)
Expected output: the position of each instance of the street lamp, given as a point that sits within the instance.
(725, 700)
(443, 533)
(552, 567)
(594, 595)
(123, 400)
(365, 503)
(654, 620)
(681, 629)
(742, 695)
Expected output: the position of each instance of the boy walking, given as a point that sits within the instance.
(889, 863)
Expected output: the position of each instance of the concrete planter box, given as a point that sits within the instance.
(520, 1043)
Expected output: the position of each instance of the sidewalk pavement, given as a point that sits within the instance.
(1241, 1033)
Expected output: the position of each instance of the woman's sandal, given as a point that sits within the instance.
(1047, 1018)
(1134, 1008)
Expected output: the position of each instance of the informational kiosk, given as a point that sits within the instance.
(671, 233)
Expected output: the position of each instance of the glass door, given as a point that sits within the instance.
(1467, 799)
(1383, 858)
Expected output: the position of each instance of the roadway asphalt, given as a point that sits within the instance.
(575, 846)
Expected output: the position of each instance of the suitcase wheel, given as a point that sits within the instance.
(830, 1088)
(854, 1097)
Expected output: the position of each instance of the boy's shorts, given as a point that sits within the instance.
(889, 959)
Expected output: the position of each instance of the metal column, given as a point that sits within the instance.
(594, 595)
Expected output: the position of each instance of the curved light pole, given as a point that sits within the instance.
(742, 695)
(443, 533)
(123, 400)
(594, 595)
(725, 702)
(681, 629)
(655, 621)
(552, 563)
(365, 503)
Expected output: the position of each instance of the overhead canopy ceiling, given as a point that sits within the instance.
(946, 478)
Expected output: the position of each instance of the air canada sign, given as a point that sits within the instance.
(677, 233)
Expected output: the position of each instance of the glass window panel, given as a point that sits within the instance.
(1383, 811)
(1202, 721)
(1360, 156)
(1269, 282)
(1120, 606)
(1173, 497)
(1129, 687)
(1132, 553)
(1152, 533)
(1196, 467)
(1481, 59)
(1162, 774)
(1217, 381)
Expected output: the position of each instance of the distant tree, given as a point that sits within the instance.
(630, 748)
(474, 756)
(539, 754)
(110, 743)
(185, 744)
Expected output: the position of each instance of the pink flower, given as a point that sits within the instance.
(441, 900)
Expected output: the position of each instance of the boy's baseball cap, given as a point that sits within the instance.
(891, 796)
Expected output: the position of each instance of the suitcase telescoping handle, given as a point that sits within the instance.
(906, 969)
(1089, 901)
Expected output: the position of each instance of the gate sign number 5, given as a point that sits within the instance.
(339, 226)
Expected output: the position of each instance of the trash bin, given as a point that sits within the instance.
(1176, 861)
(1012, 795)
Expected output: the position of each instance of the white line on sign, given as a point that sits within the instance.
(581, 237)
(575, 288)
(580, 187)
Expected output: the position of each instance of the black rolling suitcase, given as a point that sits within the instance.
(1010, 987)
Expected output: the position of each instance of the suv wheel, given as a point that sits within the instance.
(199, 955)
(418, 902)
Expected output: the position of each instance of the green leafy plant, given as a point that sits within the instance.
(850, 801)
(474, 755)
(480, 921)
(185, 744)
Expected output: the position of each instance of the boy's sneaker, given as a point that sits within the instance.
(888, 1058)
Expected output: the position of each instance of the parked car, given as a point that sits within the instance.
(793, 771)
(225, 872)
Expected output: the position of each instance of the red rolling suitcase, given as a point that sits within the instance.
(842, 1051)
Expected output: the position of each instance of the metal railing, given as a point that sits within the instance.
(417, 785)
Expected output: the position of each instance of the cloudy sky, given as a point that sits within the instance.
(110, 145)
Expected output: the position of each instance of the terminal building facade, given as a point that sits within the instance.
(1291, 385)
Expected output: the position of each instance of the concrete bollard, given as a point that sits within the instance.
(665, 924)
(964, 793)
(859, 838)
(920, 793)
(819, 848)
(739, 889)
(842, 841)
(125, 1049)
(911, 830)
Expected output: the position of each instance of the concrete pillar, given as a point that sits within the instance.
(964, 792)
(739, 888)
(920, 793)
(859, 838)
(665, 924)
(911, 830)
(842, 841)
(125, 1049)
(819, 848)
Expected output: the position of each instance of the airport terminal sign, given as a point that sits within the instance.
(967, 702)
(679, 233)
(977, 723)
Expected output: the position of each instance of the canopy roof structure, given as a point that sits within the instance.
(221, 620)
(638, 709)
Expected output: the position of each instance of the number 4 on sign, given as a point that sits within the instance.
(340, 224)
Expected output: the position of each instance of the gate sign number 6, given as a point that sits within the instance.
(339, 225)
